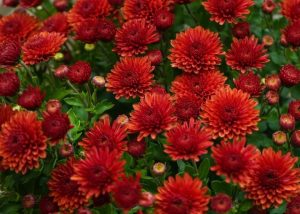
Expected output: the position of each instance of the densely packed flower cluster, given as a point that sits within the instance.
(150, 106)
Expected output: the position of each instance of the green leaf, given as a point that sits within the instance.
(181, 166)
(73, 101)
(280, 210)
(245, 206)
(103, 106)
(221, 186)
(203, 169)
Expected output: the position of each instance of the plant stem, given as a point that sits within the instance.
(196, 168)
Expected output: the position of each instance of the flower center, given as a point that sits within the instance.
(270, 179)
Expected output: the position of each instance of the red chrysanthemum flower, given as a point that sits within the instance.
(41, 47)
(241, 30)
(246, 54)
(9, 83)
(22, 142)
(106, 30)
(291, 9)
(273, 179)
(87, 31)
(289, 75)
(105, 135)
(134, 36)
(65, 192)
(188, 141)
(221, 203)
(31, 98)
(6, 112)
(182, 195)
(196, 50)
(294, 109)
(30, 3)
(17, 26)
(202, 85)
(99, 170)
(222, 11)
(127, 192)
(186, 107)
(80, 72)
(293, 207)
(131, 77)
(83, 10)
(249, 83)
(291, 34)
(56, 125)
(10, 53)
(56, 23)
(234, 160)
(153, 115)
(230, 113)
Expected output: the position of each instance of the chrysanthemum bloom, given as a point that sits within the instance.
(230, 113)
(10, 53)
(106, 30)
(289, 75)
(127, 192)
(56, 23)
(41, 47)
(30, 3)
(134, 36)
(55, 125)
(31, 98)
(80, 72)
(188, 141)
(222, 11)
(163, 19)
(293, 207)
(153, 115)
(186, 107)
(136, 149)
(65, 192)
(130, 78)
(234, 160)
(9, 83)
(294, 109)
(97, 173)
(17, 26)
(291, 34)
(84, 10)
(182, 195)
(273, 179)
(155, 57)
(196, 50)
(291, 9)
(241, 30)
(246, 54)
(202, 85)
(87, 31)
(249, 83)
(221, 203)
(6, 112)
(105, 135)
(22, 142)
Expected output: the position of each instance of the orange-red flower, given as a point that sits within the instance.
(273, 179)
(131, 77)
(10, 53)
(105, 135)
(202, 85)
(56, 23)
(22, 142)
(291, 34)
(196, 50)
(234, 160)
(99, 170)
(17, 26)
(6, 112)
(63, 190)
(41, 47)
(249, 83)
(230, 113)
(134, 37)
(246, 54)
(182, 195)
(188, 141)
(186, 107)
(153, 115)
(222, 11)
(31, 98)
(291, 9)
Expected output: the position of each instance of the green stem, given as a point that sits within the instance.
(196, 168)
(77, 92)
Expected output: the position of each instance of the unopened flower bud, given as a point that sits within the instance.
(28, 201)
(279, 137)
(66, 150)
(272, 97)
(59, 56)
(296, 138)
(147, 199)
(159, 168)
(268, 40)
(273, 82)
(287, 122)
(89, 47)
(98, 81)
(53, 106)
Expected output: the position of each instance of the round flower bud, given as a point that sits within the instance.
(268, 40)
(61, 5)
(31, 98)
(99, 81)
(10, 3)
(287, 122)
(159, 168)
(221, 203)
(155, 57)
(28, 201)
(296, 138)
(10, 53)
(294, 109)
(273, 82)
(61, 71)
(147, 199)
(272, 97)
(279, 137)
(122, 119)
(9, 83)
(289, 75)
(163, 19)
(268, 6)
(80, 72)
(241, 30)
(136, 149)
(89, 47)
(106, 30)
(66, 150)
(53, 106)
(59, 56)
(47, 206)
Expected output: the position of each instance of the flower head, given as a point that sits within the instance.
(289, 75)
(10, 53)
(31, 98)
(291, 34)
(249, 83)
(186, 107)
(56, 23)
(6, 112)
(80, 72)
(196, 50)
(9, 83)
(221, 203)
(294, 109)
(291, 9)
